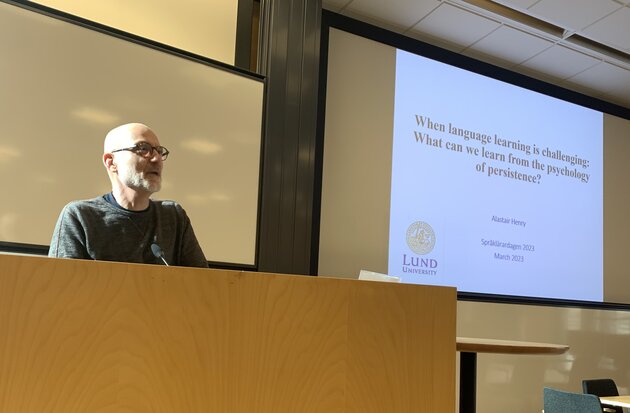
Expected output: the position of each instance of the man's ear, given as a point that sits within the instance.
(108, 161)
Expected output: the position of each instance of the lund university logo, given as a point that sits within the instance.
(420, 238)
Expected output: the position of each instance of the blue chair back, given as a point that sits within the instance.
(558, 401)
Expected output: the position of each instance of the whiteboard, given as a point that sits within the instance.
(64, 86)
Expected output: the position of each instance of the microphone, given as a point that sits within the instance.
(157, 251)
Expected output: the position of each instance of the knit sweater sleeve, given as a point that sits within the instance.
(69, 240)
(191, 253)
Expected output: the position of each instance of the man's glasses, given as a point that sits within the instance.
(145, 150)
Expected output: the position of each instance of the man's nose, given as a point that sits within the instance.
(155, 155)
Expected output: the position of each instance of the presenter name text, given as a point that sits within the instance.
(509, 220)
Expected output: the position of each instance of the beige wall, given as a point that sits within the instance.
(616, 201)
(363, 120)
(598, 341)
(207, 28)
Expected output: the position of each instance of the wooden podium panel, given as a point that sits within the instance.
(85, 336)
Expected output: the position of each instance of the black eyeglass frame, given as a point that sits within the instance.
(161, 150)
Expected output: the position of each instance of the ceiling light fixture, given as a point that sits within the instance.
(520, 19)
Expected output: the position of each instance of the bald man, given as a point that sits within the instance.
(126, 224)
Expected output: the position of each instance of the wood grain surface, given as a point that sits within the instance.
(84, 336)
(488, 345)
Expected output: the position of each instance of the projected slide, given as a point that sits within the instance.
(495, 189)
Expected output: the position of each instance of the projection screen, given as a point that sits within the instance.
(439, 175)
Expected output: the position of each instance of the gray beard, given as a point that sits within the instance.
(134, 180)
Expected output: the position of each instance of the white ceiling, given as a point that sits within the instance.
(583, 45)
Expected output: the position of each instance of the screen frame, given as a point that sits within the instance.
(389, 38)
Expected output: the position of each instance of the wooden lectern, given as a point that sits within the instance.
(86, 336)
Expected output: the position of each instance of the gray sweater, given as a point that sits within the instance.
(96, 229)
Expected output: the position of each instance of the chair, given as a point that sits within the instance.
(558, 401)
(602, 387)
